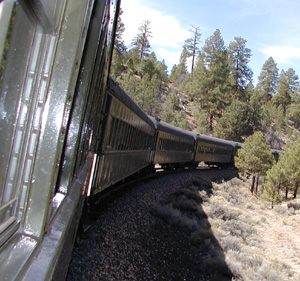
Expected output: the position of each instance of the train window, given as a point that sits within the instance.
(115, 134)
(109, 134)
(22, 42)
(14, 26)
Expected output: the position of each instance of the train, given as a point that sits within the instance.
(132, 142)
(68, 131)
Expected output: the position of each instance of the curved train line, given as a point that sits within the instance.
(68, 131)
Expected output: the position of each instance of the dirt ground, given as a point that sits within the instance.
(280, 236)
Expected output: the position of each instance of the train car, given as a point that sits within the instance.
(54, 62)
(128, 139)
(174, 146)
(214, 151)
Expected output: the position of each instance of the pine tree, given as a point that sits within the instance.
(267, 80)
(237, 122)
(287, 86)
(292, 171)
(141, 42)
(212, 74)
(119, 51)
(293, 111)
(239, 57)
(285, 174)
(179, 72)
(271, 188)
(147, 66)
(255, 157)
(191, 44)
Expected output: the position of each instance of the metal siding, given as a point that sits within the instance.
(162, 157)
(116, 166)
(213, 143)
(214, 158)
(60, 93)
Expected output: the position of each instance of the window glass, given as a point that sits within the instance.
(15, 27)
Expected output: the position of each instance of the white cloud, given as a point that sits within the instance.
(172, 57)
(166, 30)
(282, 54)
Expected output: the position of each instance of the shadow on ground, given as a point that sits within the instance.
(183, 240)
(155, 231)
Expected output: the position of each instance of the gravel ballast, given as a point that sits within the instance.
(135, 237)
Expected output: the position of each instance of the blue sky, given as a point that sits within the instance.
(271, 27)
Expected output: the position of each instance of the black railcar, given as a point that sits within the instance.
(174, 146)
(128, 139)
(213, 151)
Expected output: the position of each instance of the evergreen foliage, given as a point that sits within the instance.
(293, 111)
(255, 157)
(241, 74)
(271, 191)
(141, 41)
(267, 80)
(237, 122)
(291, 169)
(119, 51)
(179, 72)
(286, 89)
(202, 121)
(284, 175)
(272, 117)
(212, 75)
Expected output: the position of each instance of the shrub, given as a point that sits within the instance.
(183, 203)
(223, 212)
(174, 217)
(239, 228)
(280, 210)
(231, 243)
(252, 261)
(294, 205)
(234, 264)
(270, 273)
(201, 236)
(191, 194)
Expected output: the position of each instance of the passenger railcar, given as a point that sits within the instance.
(213, 151)
(128, 139)
(174, 146)
(54, 62)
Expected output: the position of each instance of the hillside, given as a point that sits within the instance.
(260, 243)
(277, 136)
(257, 242)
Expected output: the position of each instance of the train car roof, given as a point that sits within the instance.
(168, 128)
(121, 95)
(235, 143)
(214, 140)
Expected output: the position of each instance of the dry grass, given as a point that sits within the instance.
(252, 251)
(233, 226)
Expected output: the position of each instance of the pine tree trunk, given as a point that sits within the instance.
(193, 62)
(210, 122)
(256, 187)
(266, 98)
(253, 184)
(296, 189)
(284, 109)
(286, 193)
